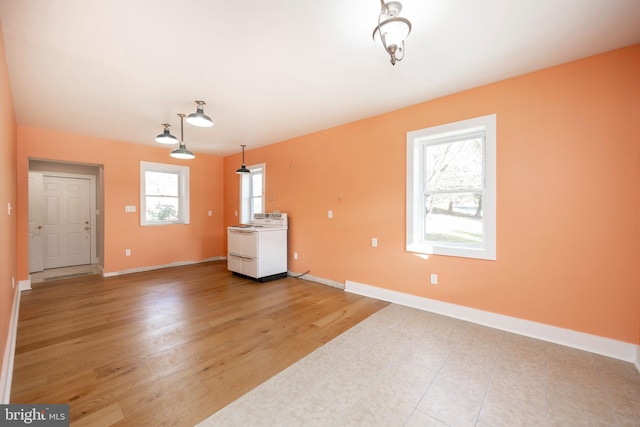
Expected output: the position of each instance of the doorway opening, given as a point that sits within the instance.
(65, 225)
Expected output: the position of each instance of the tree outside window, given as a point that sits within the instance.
(164, 194)
(451, 189)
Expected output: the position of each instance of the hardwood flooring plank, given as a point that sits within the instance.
(171, 346)
(104, 417)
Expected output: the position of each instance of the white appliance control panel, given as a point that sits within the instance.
(275, 219)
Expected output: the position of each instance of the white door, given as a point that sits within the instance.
(67, 225)
(36, 222)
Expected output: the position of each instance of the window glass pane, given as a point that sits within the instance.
(454, 165)
(257, 205)
(162, 209)
(256, 184)
(454, 218)
(161, 183)
(451, 189)
(251, 193)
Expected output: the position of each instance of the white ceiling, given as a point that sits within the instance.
(273, 70)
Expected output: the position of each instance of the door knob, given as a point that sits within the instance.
(87, 228)
(39, 227)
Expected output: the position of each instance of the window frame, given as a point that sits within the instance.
(183, 191)
(416, 209)
(248, 194)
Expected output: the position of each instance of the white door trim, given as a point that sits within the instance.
(36, 212)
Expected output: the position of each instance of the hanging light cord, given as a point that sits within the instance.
(182, 129)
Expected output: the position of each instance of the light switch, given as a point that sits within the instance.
(129, 208)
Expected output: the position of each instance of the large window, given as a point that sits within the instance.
(164, 194)
(451, 189)
(252, 193)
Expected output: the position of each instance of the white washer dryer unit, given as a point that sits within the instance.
(259, 250)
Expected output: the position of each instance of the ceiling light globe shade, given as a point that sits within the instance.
(166, 138)
(199, 118)
(242, 170)
(392, 9)
(394, 30)
(182, 153)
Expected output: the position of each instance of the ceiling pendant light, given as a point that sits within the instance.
(199, 118)
(243, 168)
(392, 31)
(181, 152)
(166, 137)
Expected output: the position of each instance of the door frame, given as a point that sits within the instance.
(35, 242)
(92, 206)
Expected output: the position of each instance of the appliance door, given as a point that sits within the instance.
(243, 265)
(243, 243)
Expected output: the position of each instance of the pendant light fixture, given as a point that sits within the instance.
(181, 152)
(243, 168)
(392, 31)
(199, 118)
(166, 137)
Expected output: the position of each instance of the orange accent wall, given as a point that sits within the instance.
(7, 195)
(568, 198)
(150, 246)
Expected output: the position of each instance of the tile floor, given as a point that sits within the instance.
(406, 367)
(64, 272)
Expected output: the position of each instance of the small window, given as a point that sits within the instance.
(164, 194)
(252, 193)
(451, 200)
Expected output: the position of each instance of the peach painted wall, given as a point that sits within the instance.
(568, 194)
(203, 238)
(7, 195)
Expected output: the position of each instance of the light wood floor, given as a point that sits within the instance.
(171, 346)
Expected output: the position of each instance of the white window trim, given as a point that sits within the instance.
(183, 189)
(415, 214)
(245, 200)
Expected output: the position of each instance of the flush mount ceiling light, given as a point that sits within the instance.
(199, 118)
(392, 31)
(181, 152)
(243, 168)
(166, 137)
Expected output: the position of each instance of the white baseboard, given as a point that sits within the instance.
(9, 351)
(158, 267)
(24, 285)
(305, 276)
(592, 343)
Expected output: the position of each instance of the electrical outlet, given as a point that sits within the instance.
(330, 214)
(434, 279)
(295, 255)
(127, 252)
(374, 242)
(210, 213)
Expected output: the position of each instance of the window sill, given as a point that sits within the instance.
(456, 251)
